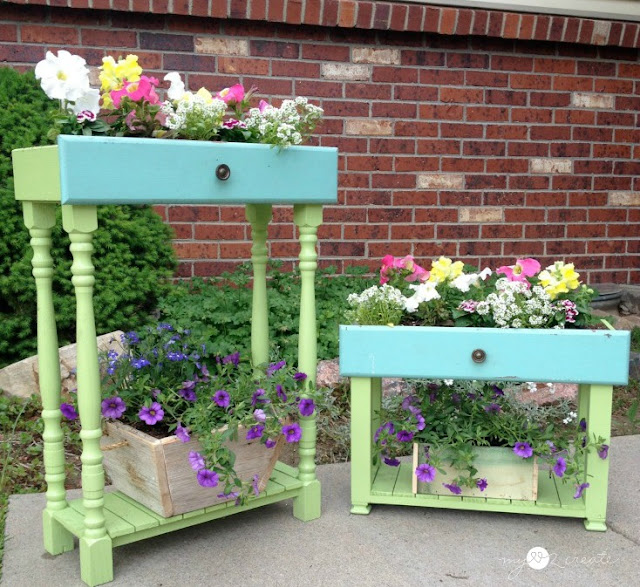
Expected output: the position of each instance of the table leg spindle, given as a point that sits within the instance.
(259, 216)
(96, 564)
(307, 218)
(40, 219)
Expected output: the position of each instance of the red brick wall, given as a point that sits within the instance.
(483, 147)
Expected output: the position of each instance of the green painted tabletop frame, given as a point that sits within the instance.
(595, 359)
(47, 176)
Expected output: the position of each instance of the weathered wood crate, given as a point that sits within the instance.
(508, 475)
(156, 472)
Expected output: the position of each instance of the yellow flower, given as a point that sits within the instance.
(205, 95)
(113, 75)
(569, 276)
(559, 278)
(445, 270)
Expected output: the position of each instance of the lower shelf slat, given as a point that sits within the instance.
(392, 486)
(128, 521)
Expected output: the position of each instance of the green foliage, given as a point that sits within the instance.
(635, 340)
(133, 253)
(220, 309)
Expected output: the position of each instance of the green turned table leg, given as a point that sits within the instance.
(365, 394)
(259, 216)
(307, 218)
(598, 417)
(40, 219)
(96, 563)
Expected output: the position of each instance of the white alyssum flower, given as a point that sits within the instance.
(425, 292)
(63, 77)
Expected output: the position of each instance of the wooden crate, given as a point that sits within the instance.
(508, 475)
(156, 472)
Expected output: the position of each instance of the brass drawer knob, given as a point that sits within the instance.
(223, 173)
(478, 356)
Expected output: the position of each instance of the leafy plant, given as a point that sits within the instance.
(133, 253)
(220, 308)
(450, 417)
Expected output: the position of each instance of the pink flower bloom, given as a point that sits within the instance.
(145, 89)
(85, 115)
(262, 106)
(233, 95)
(391, 263)
(521, 270)
(232, 123)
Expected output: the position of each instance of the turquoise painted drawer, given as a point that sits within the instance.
(573, 356)
(108, 170)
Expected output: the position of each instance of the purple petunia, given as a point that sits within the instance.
(404, 436)
(409, 401)
(282, 396)
(603, 453)
(233, 358)
(258, 397)
(560, 467)
(552, 447)
(306, 406)
(188, 391)
(196, 460)
(292, 432)
(425, 473)
(254, 485)
(269, 443)
(388, 427)
(221, 398)
(497, 391)
(453, 488)
(481, 484)
(207, 478)
(68, 411)
(152, 414)
(271, 369)
(113, 407)
(391, 462)
(300, 376)
(231, 495)
(183, 433)
(259, 415)
(255, 432)
(523, 449)
(580, 490)
(492, 409)
(583, 425)
(420, 422)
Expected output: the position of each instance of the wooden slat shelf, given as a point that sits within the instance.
(392, 485)
(128, 521)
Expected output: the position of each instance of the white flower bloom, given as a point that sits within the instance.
(177, 89)
(425, 292)
(89, 101)
(485, 273)
(64, 77)
(464, 281)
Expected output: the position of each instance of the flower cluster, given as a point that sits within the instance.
(449, 417)
(515, 296)
(128, 104)
(166, 382)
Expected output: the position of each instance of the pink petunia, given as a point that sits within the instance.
(145, 89)
(521, 270)
(232, 95)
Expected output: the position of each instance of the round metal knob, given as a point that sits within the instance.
(223, 173)
(478, 356)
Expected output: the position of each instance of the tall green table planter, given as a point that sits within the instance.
(595, 359)
(81, 172)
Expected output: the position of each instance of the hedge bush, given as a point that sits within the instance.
(133, 253)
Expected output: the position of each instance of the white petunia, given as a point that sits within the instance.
(177, 89)
(63, 77)
(89, 101)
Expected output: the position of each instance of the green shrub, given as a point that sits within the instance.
(220, 308)
(133, 252)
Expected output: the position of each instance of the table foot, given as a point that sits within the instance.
(595, 525)
(306, 506)
(96, 560)
(360, 509)
(57, 539)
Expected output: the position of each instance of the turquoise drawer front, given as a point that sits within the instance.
(572, 356)
(110, 170)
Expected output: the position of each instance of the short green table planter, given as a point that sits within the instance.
(595, 359)
(81, 172)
